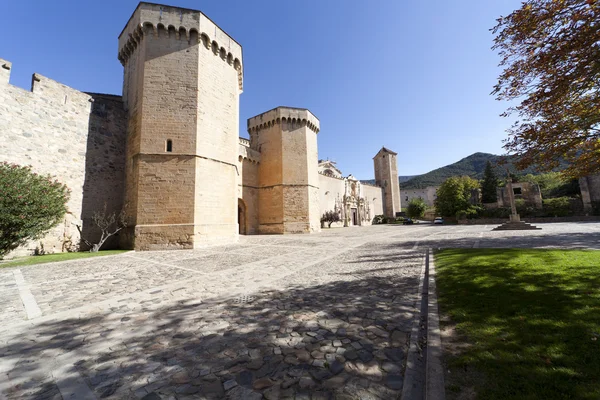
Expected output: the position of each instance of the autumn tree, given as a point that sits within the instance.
(550, 52)
(489, 185)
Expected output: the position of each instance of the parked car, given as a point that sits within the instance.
(438, 220)
(408, 221)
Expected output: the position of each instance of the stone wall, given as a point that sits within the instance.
(429, 194)
(374, 196)
(331, 191)
(527, 191)
(74, 136)
(590, 191)
(248, 181)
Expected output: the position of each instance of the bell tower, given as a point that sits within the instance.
(386, 176)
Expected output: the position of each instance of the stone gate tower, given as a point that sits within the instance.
(182, 81)
(288, 197)
(386, 176)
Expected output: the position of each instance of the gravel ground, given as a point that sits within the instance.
(304, 316)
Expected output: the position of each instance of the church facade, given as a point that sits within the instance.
(168, 150)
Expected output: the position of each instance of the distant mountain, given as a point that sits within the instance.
(404, 178)
(472, 166)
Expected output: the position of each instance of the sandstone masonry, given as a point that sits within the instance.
(168, 150)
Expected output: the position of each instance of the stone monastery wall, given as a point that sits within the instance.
(75, 136)
(374, 195)
(168, 151)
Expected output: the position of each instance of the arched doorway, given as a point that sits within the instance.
(241, 217)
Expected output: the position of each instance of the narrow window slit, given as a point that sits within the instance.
(169, 145)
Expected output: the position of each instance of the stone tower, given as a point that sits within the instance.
(182, 81)
(288, 197)
(386, 176)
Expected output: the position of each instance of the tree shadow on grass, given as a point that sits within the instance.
(532, 329)
(344, 339)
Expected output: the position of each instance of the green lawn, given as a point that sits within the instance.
(47, 258)
(530, 320)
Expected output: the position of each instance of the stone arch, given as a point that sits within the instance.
(183, 34)
(242, 217)
(205, 40)
(172, 31)
(162, 30)
(194, 37)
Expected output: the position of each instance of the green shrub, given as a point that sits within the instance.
(558, 207)
(416, 208)
(380, 219)
(330, 217)
(30, 205)
(501, 212)
(526, 210)
(470, 213)
(454, 195)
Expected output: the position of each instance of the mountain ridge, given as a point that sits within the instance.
(472, 166)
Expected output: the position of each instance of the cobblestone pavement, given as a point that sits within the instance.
(311, 316)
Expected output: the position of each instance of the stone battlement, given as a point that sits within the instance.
(51, 90)
(184, 24)
(277, 115)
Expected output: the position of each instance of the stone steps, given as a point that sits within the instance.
(515, 226)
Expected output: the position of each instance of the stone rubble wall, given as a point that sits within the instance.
(76, 137)
(590, 190)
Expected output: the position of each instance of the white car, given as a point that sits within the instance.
(438, 220)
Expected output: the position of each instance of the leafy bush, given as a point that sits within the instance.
(470, 213)
(30, 205)
(526, 210)
(501, 212)
(330, 217)
(416, 208)
(454, 195)
(380, 219)
(554, 184)
(559, 207)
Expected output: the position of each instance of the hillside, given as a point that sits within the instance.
(472, 166)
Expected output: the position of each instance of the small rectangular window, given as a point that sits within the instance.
(169, 146)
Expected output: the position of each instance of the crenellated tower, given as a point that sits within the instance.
(386, 176)
(182, 80)
(288, 197)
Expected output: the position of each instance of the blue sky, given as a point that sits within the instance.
(414, 76)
